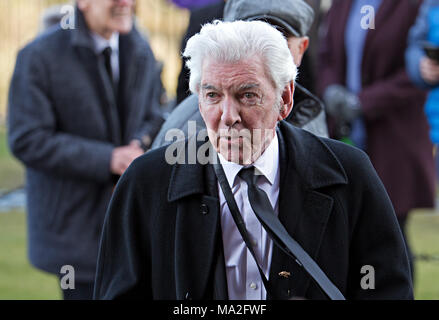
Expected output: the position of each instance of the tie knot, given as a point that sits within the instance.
(107, 52)
(248, 175)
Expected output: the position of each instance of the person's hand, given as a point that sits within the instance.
(122, 157)
(429, 70)
(341, 104)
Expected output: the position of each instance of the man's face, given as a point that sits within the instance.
(108, 16)
(241, 107)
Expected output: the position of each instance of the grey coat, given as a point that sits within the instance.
(63, 125)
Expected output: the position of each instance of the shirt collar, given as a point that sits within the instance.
(102, 43)
(267, 164)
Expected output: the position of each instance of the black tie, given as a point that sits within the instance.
(257, 197)
(107, 55)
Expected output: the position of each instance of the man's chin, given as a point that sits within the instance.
(239, 157)
(235, 158)
(123, 26)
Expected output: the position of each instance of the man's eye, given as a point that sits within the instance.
(250, 97)
(211, 95)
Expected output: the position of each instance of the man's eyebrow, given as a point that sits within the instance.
(240, 88)
(248, 86)
(208, 87)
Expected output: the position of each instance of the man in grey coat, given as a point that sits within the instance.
(83, 104)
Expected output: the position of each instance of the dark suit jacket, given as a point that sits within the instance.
(397, 131)
(63, 125)
(162, 233)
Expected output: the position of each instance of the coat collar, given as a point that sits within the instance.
(80, 35)
(314, 162)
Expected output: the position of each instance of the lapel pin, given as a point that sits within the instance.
(285, 274)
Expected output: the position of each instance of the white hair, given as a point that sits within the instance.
(239, 40)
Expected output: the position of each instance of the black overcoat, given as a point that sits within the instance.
(162, 233)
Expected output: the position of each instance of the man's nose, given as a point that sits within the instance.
(230, 114)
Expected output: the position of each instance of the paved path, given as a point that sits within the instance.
(14, 200)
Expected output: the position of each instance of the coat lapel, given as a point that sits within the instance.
(381, 15)
(303, 210)
(111, 104)
(132, 64)
(96, 68)
(197, 232)
(138, 71)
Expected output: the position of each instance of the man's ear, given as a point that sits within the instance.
(304, 44)
(287, 101)
(298, 47)
(82, 4)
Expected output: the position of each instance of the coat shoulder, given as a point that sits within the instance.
(355, 162)
(49, 42)
(344, 153)
(347, 154)
(151, 167)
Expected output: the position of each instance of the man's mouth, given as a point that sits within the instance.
(121, 12)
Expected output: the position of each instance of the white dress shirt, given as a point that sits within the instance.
(243, 279)
(101, 44)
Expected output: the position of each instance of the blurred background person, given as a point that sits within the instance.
(83, 104)
(51, 16)
(423, 69)
(370, 98)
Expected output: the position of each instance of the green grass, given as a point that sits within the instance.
(423, 234)
(19, 280)
(11, 171)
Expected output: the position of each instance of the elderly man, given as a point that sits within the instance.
(83, 102)
(170, 230)
(293, 18)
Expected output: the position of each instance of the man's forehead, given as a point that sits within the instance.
(237, 86)
(252, 63)
(244, 74)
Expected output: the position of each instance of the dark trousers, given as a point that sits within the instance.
(82, 291)
(402, 220)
